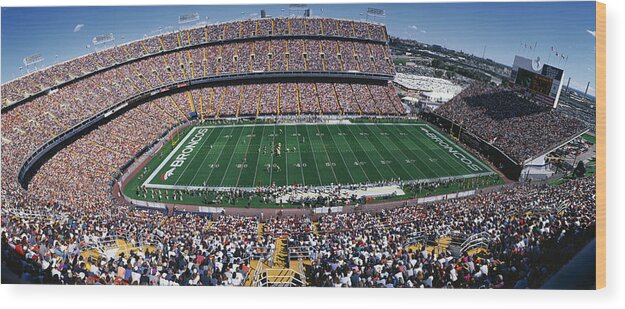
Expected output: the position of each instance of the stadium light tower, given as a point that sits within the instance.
(185, 21)
(32, 61)
(102, 39)
(297, 8)
(374, 13)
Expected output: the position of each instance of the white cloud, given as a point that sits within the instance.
(415, 28)
(78, 27)
(591, 32)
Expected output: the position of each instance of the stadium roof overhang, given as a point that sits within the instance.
(556, 146)
(281, 76)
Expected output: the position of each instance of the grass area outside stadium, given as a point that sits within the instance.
(591, 169)
(225, 156)
(589, 138)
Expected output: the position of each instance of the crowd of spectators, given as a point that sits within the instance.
(284, 226)
(290, 99)
(31, 124)
(534, 230)
(179, 250)
(42, 118)
(520, 128)
(104, 150)
(70, 208)
(77, 180)
(532, 236)
(51, 76)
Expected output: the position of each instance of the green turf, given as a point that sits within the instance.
(557, 182)
(591, 167)
(589, 138)
(320, 154)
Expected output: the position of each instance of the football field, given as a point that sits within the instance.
(252, 155)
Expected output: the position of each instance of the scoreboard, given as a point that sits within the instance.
(533, 81)
(544, 83)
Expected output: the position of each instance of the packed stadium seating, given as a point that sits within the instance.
(520, 128)
(124, 81)
(226, 101)
(37, 81)
(40, 119)
(357, 250)
(349, 250)
(49, 231)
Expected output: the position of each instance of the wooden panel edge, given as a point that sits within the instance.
(600, 83)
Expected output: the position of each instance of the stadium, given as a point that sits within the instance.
(276, 151)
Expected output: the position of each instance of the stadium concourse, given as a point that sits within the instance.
(64, 225)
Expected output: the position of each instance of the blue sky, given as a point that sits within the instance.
(501, 27)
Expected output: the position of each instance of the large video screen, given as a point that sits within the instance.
(533, 81)
(552, 72)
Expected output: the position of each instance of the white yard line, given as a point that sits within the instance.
(218, 157)
(392, 154)
(419, 152)
(380, 154)
(442, 162)
(206, 156)
(245, 155)
(406, 156)
(342, 158)
(273, 145)
(422, 146)
(299, 151)
(367, 154)
(231, 156)
(286, 160)
(313, 156)
(355, 157)
(313, 151)
(260, 146)
(147, 183)
(323, 144)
